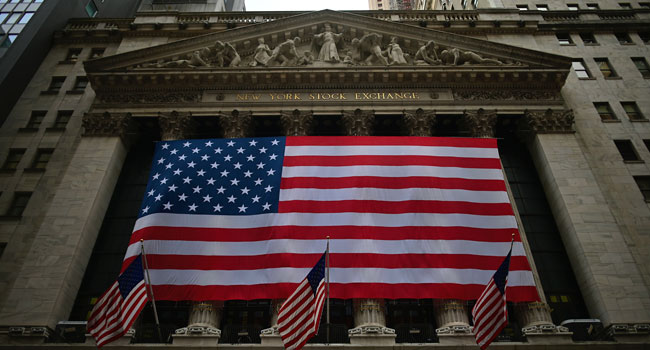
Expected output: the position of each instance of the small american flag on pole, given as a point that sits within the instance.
(119, 306)
(300, 314)
(490, 313)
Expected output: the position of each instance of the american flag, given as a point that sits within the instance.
(490, 313)
(408, 217)
(300, 314)
(120, 305)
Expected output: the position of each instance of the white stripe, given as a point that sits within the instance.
(337, 275)
(326, 219)
(391, 171)
(439, 151)
(340, 246)
(393, 195)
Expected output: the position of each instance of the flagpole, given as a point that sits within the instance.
(327, 281)
(150, 290)
(512, 241)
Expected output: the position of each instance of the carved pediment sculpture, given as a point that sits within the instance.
(219, 55)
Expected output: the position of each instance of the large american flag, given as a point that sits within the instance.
(408, 217)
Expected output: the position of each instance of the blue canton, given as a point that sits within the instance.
(317, 274)
(133, 275)
(502, 273)
(215, 177)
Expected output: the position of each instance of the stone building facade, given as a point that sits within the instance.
(564, 92)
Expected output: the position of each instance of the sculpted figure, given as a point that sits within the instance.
(224, 55)
(456, 56)
(395, 53)
(285, 53)
(262, 54)
(327, 41)
(427, 54)
(368, 50)
(195, 59)
(306, 59)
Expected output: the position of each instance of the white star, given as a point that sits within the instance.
(248, 173)
(227, 158)
(145, 210)
(217, 207)
(258, 182)
(230, 143)
(169, 166)
(178, 171)
(234, 182)
(186, 144)
(208, 144)
(161, 160)
(197, 189)
(182, 197)
(218, 150)
(266, 206)
(250, 158)
(195, 150)
(200, 172)
(256, 199)
(253, 143)
(273, 156)
(214, 165)
(263, 150)
(260, 165)
(187, 180)
(242, 209)
(173, 188)
(211, 181)
(174, 151)
(168, 206)
(163, 181)
(271, 172)
(165, 146)
(221, 190)
(205, 157)
(244, 190)
(207, 198)
(224, 173)
(237, 165)
(151, 193)
(231, 199)
(156, 176)
(191, 164)
(275, 142)
(182, 157)
(158, 197)
(193, 207)
(240, 150)
(268, 188)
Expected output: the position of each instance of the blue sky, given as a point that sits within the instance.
(302, 5)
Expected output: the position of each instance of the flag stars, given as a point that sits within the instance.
(187, 144)
(174, 151)
(214, 165)
(234, 182)
(237, 165)
(240, 150)
(165, 146)
(182, 197)
(200, 172)
(161, 160)
(209, 144)
(244, 190)
(268, 188)
(273, 156)
(178, 171)
(263, 150)
(205, 157)
(231, 199)
(217, 207)
(250, 158)
(266, 206)
(164, 181)
(158, 197)
(197, 189)
(173, 188)
(227, 158)
(271, 172)
(224, 173)
(169, 165)
(258, 182)
(253, 143)
(256, 199)
(211, 181)
(260, 165)
(275, 142)
(151, 193)
(145, 210)
(187, 180)
(207, 198)
(182, 157)
(195, 150)
(242, 209)
(231, 143)
(192, 207)
(156, 176)
(248, 173)
(167, 206)
(221, 190)
(191, 164)
(218, 150)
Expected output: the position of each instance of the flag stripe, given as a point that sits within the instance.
(350, 182)
(453, 142)
(393, 160)
(391, 171)
(435, 197)
(403, 207)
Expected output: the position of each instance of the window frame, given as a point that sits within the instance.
(626, 39)
(642, 66)
(573, 7)
(605, 67)
(541, 7)
(36, 120)
(644, 186)
(56, 84)
(636, 115)
(568, 41)
(13, 159)
(583, 67)
(73, 55)
(39, 163)
(17, 210)
(588, 38)
(62, 119)
(80, 84)
(593, 6)
(627, 151)
(609, 114)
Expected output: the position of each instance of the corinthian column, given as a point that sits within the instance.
(235, 124)
(419, 123)
(480, 123)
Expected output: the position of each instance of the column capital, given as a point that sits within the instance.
(175, 125)
(480, 123)
(547, 122)
(358, 122)
(296, 122)
(235, 124)
(535, 317)
(106, 124)
(419, 122)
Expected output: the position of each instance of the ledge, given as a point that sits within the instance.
(50, 92)
(26, 130)
(53, 129)
(34, 170)
(75, 92)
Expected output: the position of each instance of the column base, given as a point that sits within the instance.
(124, 340)
(630, 333)
(271, 337)
(25, 335)
(547, 334)
(456, 335)
(372, 336)
(196, 336)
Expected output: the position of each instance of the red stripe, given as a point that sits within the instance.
(389, 261)
(350, 290)
(476, 163)
(388, 207)
(392, 183)
(390, 141)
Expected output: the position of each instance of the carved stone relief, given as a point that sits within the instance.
(296, 123)
(150, 97)
(480, 123)
(358, 123)
(219, 55)
(175, 126)
(235, 124)
(547, 122)
(419, 123)
(106, 124)
(507, 95)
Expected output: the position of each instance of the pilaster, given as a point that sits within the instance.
(419, 123)
(480, 123)
(236, 124)
(358, 122)
(297, 123)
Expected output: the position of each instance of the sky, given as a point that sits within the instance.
(305, 5)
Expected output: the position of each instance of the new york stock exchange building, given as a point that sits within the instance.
(565, 94)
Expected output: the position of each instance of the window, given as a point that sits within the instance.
(573, 7)
(564, 38)
(80, 84)
(3, 15)
(91, 8)
(580, 69)
(42, 158)
(644, 185)
(542, 7)
(19, 203)
(56, 84)
(62, 119)
(14, 157)
(26, 17)
(627, 151)
(605, 68)
(605, 111)
(632, 111)
(522, 7)
(647, 144)
(3, 246)
(13, 18)
(593, 6)
(645, 37)
(36, 119)
(642, 65)
(97, 52)
(644, 5)
(625, 5)
(588, 39)
(623, 38)
(73, 55)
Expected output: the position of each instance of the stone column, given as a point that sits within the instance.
(420, 122)
(236, 124)
(55, 263)
(453, 322)
(480, 123)
(369, 314)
